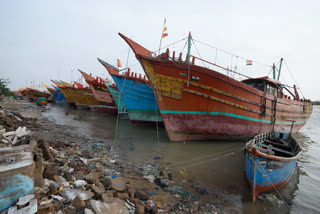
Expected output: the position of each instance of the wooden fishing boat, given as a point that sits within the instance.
(83, 96)
(66, 91)
(270, 160)
(198, 103)
(101, 92)
(34, 94)
(116, 96)
(56, 94)
(137, 95)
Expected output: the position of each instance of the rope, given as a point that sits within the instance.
(155, 108)
(276, 189)
(207, 156)
(171, 44)
(231, 53)
(198, 52)
(292, 77)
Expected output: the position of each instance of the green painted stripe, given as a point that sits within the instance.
(143, 110)
(227, 114)
(103, 106)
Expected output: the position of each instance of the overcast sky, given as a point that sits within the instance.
(43, 40)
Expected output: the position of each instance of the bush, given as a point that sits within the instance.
(4, 90)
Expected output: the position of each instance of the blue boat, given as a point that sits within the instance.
(270, 160)
(137, 95)
(57, 94)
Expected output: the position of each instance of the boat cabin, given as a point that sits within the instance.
(265, 84)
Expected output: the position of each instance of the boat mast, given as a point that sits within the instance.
(281, 60)
(189, 46)
(274, 71)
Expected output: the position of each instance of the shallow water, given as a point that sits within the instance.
(217, 167)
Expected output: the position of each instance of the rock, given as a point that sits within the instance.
(59, 179)
(46, 209)
(30, 209)
(71, 194)
(135, 200)
(107, 198)
(68, 176)
(142, 195)
(123, 196)
(139, 209)
(69, 210)
(98, 191)
(79, 183)
(73, 164)
(118, 184)
(106, 182)
(24, 200)
(53, 190)
(92, 177)
(78, 203)
(45, 149)
(88, 211)
(100, 207)
(50, 172)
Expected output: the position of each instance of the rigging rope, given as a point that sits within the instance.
(206, 156)
(231, 53)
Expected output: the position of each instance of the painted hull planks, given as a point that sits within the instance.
(137, 95)
(105, 101)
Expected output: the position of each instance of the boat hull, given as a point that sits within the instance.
(117, 98)
(104, 109)
(209, 97)
(57, 95)
(265, 174)
(139, 100)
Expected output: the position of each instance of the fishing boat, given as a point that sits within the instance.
(137, 95)
(117, 97)
(66, 91)
(56, 93)
(200, 103)
(270, 160)
(83, 96)
(101, 92)
(34, 94)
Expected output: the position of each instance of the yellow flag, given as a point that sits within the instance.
(164, 29)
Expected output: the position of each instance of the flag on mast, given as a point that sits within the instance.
(249, 62)
(118, 63)
(164, 34)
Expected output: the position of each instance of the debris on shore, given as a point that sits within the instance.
(60, 175)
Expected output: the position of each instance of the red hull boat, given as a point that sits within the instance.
(197, 103)
(101, 92)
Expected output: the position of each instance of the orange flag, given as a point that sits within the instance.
(119, 63)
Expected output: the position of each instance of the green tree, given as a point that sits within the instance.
(4, 90)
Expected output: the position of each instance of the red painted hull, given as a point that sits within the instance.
(101, 93)
(198, 103)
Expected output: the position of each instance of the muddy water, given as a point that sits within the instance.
(216, 168)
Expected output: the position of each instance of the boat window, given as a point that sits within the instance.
(273, 90)
(258, 84)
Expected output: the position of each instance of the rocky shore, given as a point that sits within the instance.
(76, 173)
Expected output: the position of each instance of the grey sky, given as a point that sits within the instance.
(43, 40)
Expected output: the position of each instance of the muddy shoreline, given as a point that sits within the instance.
(76, 155)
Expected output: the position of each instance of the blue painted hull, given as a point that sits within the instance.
(57, 95)
(139, 100)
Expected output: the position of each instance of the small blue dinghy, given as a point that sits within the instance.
(270, 160)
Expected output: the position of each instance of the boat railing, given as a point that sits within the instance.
(260, 138)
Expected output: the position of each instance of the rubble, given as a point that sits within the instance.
(63, 175)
